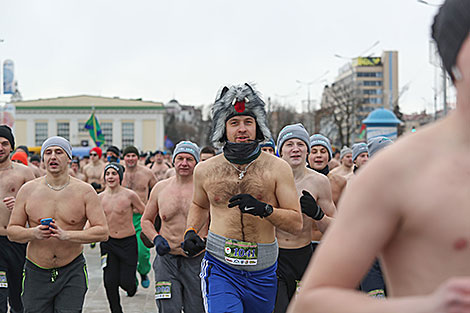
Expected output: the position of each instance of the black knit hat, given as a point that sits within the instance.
(5, 132)
(130, 149)
(118, 168)
(450, 29)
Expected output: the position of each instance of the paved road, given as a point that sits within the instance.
(96, 301)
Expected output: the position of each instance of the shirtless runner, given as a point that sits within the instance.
(119, 253)
(314, 192)
(346, 166)
(248, 194)
(12, 257)
(177, 282)
(412, 209)
(159, 166)
(50, 214)
(141, 180)
(93, 171)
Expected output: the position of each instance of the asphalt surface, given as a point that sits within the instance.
(96, 301)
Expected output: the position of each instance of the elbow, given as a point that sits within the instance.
(105, 234)
(11, 234)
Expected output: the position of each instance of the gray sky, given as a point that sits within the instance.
(187, 49)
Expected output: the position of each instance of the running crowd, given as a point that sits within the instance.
(235, 227)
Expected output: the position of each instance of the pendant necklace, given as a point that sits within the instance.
(242, 172)
(57, 188)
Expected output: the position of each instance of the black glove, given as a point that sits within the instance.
(161, 245)
(310, 207)
(192, 244)
(96, 186)
(248, 204)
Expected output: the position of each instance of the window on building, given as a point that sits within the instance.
(63, 130)
(81, 128)
(127, 134)
(372, 83)
(372, 91)
(373, 100)
(369, 74)
(41, 132)
(107, 131)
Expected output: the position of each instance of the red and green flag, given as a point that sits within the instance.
(362, 131)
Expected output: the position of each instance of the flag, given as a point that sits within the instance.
(168, 143)
(95, 130)
(362, 132)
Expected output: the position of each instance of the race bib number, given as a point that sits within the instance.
(241, 252)
(3, 280)
(104, 261)
(162, 290)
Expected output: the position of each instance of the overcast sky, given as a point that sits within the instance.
(187, 49)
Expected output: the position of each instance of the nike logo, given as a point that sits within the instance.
(248, 209)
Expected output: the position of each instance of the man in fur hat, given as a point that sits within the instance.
(248, 194)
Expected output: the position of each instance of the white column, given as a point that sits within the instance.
(74, 141)
(117, 132)
(138, 133)
(31, 131)
(52, 126)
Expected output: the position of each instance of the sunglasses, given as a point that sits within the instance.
(93, 154)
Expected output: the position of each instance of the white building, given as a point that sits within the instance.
(123, 122)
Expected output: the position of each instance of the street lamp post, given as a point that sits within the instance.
(308, 84)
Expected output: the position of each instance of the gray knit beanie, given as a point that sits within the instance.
(292, 131)
(344, 151)
(357, 149)
(320, 140)
(186, 147)
(59, 142)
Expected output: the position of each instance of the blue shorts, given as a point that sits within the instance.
(225, 289)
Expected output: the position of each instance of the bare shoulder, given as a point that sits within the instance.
(272, 162)
(161, 185)
(202, 169)
(81, 186)
(316, 177)
(22, 170)
(145, 170)
(31, 185)
(337, 179)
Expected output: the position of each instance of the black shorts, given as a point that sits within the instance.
(55, 290)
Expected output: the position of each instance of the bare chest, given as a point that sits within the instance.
(174, 202)
(224, 183)
(116, 205)
(66, 207)
(10, 183)
(437, 206)
(94, 172)
(137, 181)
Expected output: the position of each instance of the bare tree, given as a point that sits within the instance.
(280, 116)
(337, 118)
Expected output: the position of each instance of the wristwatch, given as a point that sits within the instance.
(268, 210)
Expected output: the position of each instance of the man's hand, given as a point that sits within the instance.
(192, 244)
(42, 232)
(452, 296)
(9, 202)
(310, 207)
(248, 204)
(58, 232)
(161, 245)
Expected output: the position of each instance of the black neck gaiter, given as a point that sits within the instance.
(241, 153)
(324, 171)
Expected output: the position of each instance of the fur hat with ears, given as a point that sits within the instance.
(238, 100)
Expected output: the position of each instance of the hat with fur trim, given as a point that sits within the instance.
(238, 100)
